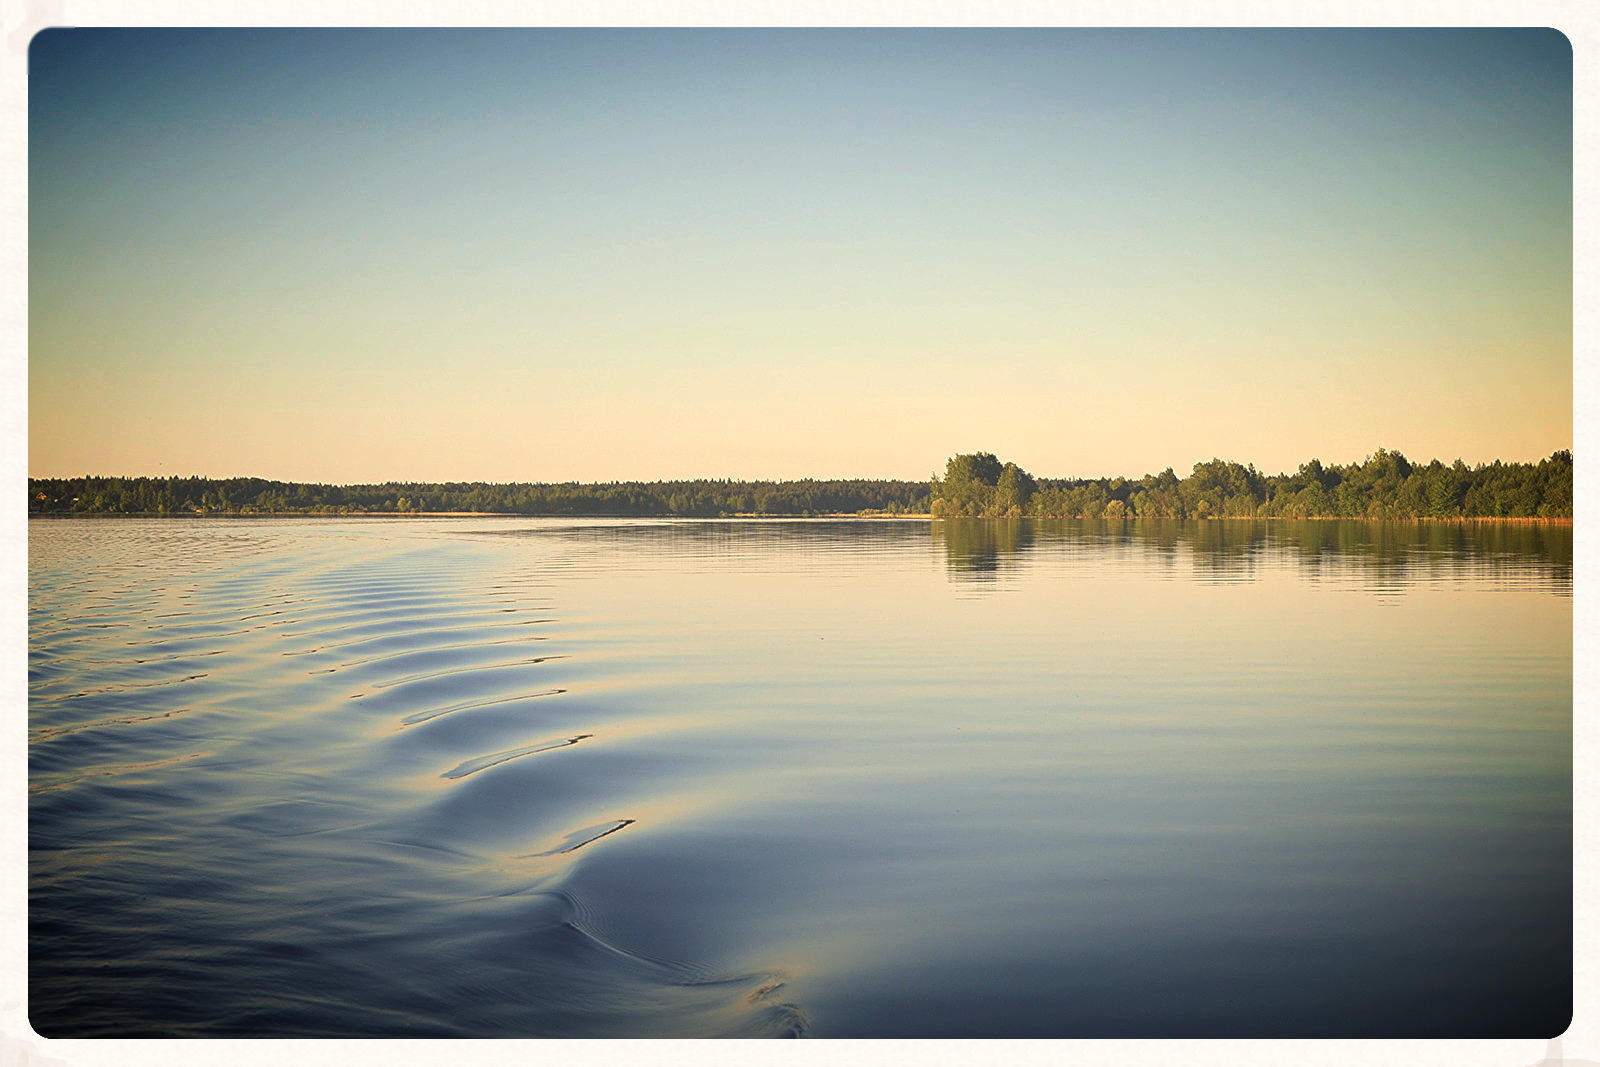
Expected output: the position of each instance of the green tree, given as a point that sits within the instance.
(969, 484)
(1013, 489)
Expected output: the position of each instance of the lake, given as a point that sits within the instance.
(483, 777)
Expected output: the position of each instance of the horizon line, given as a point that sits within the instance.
(1413, 461)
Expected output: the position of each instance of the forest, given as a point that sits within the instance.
(259, 496)
(1385, 485)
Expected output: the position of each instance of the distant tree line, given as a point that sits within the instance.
(259, 496)
(1383, 486)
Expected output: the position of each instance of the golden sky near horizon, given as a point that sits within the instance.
(348, 256)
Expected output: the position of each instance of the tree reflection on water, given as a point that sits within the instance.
(1381, 554)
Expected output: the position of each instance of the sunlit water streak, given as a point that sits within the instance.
(727, 778)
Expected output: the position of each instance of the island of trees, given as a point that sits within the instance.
(1385, 485)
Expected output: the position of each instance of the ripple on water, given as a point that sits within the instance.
(615, 813)
(472, 705)
(208, 814)
(575, 840)
(473, 766)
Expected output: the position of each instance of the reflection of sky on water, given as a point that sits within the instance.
(889, 778)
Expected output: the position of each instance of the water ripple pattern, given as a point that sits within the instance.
(493, 777)
(243, 742)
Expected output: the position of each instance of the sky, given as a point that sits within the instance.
(551, 255)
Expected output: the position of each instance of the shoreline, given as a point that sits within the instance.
(1515, 520)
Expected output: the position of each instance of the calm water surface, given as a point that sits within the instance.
(523, 778)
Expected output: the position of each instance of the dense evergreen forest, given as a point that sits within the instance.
(1383, 486)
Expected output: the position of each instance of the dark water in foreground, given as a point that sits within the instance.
(513, 778)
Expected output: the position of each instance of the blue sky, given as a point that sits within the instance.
(595, 254)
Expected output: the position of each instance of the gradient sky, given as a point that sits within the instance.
(609, 254)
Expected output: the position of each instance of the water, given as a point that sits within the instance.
(525, 778)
